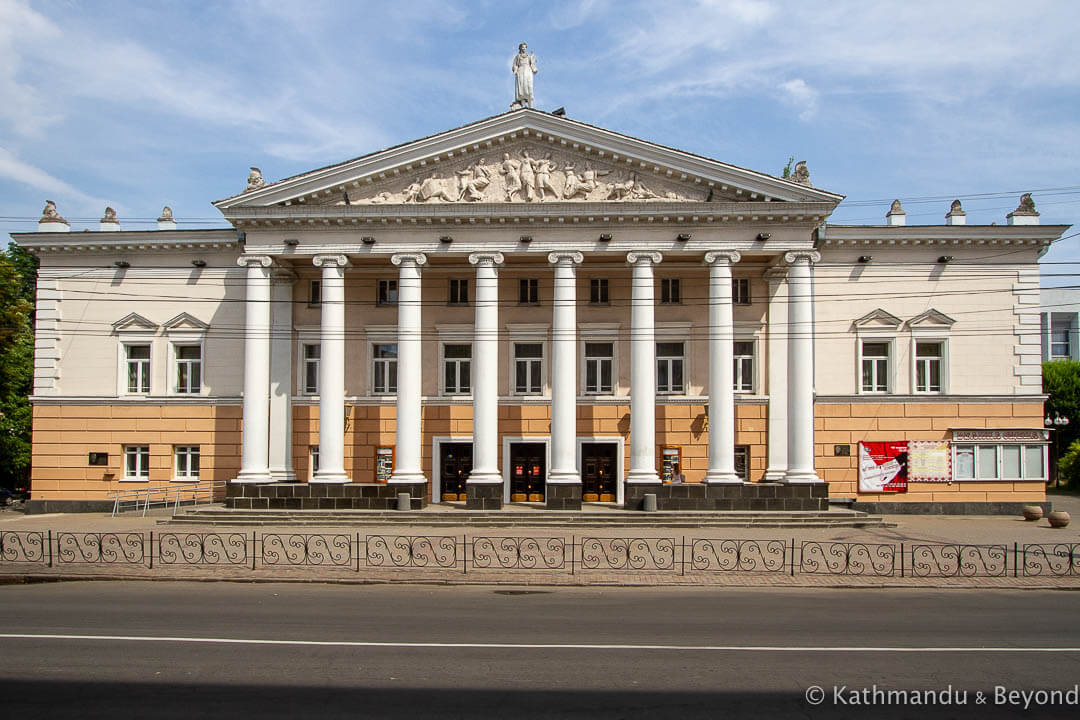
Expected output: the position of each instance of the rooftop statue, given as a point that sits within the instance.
(166, 214)
(523, 67)
(801, 174)
(49, 214)
(1026, 206)
(255, 180)
(110, 216)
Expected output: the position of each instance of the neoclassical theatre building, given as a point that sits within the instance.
(533, 309)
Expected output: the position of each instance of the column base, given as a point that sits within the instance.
(407, 478)
(563, 496)
(282, 476)
(642, 477)
(253, 477)
(802, 477)
(564, 477)
(775, 475)
(484, 478)
(483, 495)
(330, 477)
(723, 478)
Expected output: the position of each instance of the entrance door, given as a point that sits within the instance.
(598, 472)
(455, 464)
(528, 472)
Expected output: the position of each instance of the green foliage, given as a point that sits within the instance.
(1069, 466)
(18, 284)
(788, 168)
(1061, 382)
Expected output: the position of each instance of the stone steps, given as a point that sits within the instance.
(526, 518)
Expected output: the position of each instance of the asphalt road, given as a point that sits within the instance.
(188, 650)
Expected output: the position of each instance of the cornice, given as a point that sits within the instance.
(128, 241)
(863, 235)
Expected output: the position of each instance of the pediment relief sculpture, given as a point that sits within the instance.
(526, 175)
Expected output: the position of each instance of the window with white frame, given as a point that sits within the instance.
(187, 462)
(529, 291)
(459, 291)
(387, 293)
(744, 366)
(315, 293)
(599, 358)
(740, 291)
(457, 369)
(929, 357)
(136, 462)
(312, 354)
(874, 363)
(669, 367)
(137, 359)
(528, 368)
(188, 369)
(384, 368)
(598, 291)
(670, 291)
(1060, 330)
(999, 462)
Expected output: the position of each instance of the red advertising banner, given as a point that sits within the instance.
(883, 466)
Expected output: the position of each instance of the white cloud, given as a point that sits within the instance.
(801, 96)
(26, 174)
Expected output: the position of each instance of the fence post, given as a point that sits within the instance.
(1016, 554)
(50, 548)
(357, 552)
(151, 554)
(682, 558)
(253, 550)
(792, 557)
(573, 553)
(464, 556)
(901, 559)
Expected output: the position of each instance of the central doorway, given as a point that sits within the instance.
(599, 471)
(455, 464)
(528, 472)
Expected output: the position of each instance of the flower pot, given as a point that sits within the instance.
(1058, 518)
(1032, 512)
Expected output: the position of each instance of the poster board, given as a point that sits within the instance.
(883, 467)
(669, 455)
(929, 461)
(384, 464)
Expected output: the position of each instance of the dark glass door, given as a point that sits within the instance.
(528, 472)
(598, 472)
(455, 464)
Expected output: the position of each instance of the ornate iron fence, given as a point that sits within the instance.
(685, 555)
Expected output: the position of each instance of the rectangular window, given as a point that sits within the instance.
(187, 462)
(384, 369)
(669, 368)
(311, 368)
(138, 368)
(740, 291)
(965, 462)
(742, 462)
(1033, 463)
(875, 367)
(315, 293)
(459, 291)
(188, 368)
(598, 291)
(598, 357)
(1059, 338)
(986, 462)
(928, 367)
(387, 294)
(529, 291)
(670, 292)
(457, 369)
(1010, 462)
(313, 455)
(136, 462)
(528, 368)
(744, 366)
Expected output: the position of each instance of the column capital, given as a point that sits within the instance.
(730, 256)
(573, 256)
(636, 256)
(811, 256)
(250, 260)
(417, 259)
(330, 261)
(495, 258)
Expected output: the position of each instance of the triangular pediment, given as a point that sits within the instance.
(878, 319)
(931, 318)
(526, 156)
(134, 322)
(183, 322)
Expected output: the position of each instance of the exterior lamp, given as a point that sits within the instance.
(683, 237)
(605, 237)
(865, 258)
(122, 264)
(446, 239)
(199, 263)
(292, 242)
(367, 240)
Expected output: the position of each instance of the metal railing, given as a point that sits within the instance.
(174, 494)
(569, 554)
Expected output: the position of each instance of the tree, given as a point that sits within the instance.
(789, 167)
(1061, 383)
(18, 285)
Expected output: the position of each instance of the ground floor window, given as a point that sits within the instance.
(187, 462)
(136, 462)
(742, 462)
(313, 459)
(999, 462)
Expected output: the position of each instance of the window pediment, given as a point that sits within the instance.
(931, 319)
(877, 320)
(134, 323)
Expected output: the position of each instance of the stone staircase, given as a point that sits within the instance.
(525, 517)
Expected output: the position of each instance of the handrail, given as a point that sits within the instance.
(164, 495)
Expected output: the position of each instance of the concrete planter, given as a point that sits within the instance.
(1058, 518)
(1032, 512)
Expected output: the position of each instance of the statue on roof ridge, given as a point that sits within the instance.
(49, 214)
(255, 180)
(896, 208)
(1026, 206)
(523, 67)
(110, 216)
(801, 174)
(166, 214)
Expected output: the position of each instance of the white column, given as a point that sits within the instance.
(721, 369)
(332, 370)
(281, 374)
(407, 468)
(564, 465)
(254, 453)
(485, 364)
(642, 369)
(776, 360)
(800, 368)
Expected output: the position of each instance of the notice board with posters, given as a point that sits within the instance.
(883, 467)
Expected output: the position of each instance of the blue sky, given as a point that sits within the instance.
(141, 104)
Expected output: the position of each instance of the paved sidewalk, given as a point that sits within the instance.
(863, 562)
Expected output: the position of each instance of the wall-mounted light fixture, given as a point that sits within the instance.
(122, 264)
(199, 263)
(367, 240)
(292, 242)
(683, 237)
(763, 236)
(945, 259)
(526, 238)
(605, 237)
(446, 239)
(865, 258)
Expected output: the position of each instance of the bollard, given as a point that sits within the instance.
(650, 502)
(404, 501)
